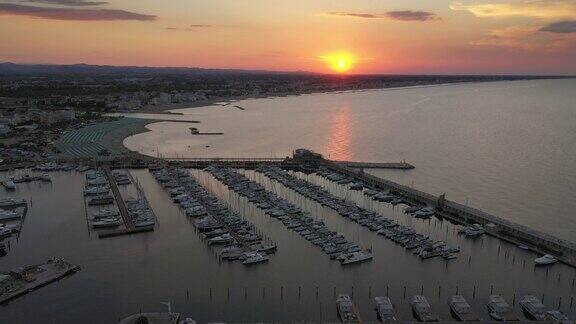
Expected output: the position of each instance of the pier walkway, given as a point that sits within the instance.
(119, 200)
(376, 165)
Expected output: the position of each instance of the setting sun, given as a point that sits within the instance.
(340, 62)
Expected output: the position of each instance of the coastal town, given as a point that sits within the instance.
(39, 105)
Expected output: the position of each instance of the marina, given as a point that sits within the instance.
(475, 286)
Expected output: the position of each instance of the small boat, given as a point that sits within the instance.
(9, 214)
(105, 213)
(385, 309)
(545, 260)
(267, 248)
(422, 309)
(523, 247)
(556, 316)
(461, 310)
(106, 222)
(11, 202)
(499, 309)
(254, 257)
(533, 308)
(222, 239)
(346, 309)
(105, 199)
(356, 257)
(45, 177)
(9, 184)
(424, 213)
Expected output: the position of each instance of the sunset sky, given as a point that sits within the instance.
(395, 36)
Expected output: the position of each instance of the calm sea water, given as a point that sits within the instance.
(123, 275)
(505, 147)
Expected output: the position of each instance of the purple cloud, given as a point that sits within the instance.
(190, 28)
(406, 15)
(561, 27)
(71, 3)
(409, 15)
(71, 13)
(354, 15)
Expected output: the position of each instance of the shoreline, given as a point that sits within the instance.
(117, 139)
(225, 101)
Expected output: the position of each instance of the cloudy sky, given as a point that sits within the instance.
(384, 36)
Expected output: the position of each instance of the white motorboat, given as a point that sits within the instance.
(422, 309)
(106, 222)
(254, 257)
(499, 309)
(356, 257)
(9, 184)
(11, 202)
(461, 309)
(93, 191)
(346, 309)
(222, 239)
(385, 309)
(105, 213)
(545, 260)
(533, 308)
(9, 214)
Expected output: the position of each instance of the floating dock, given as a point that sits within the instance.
(23, 280)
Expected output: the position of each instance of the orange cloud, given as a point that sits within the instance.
(547, 9)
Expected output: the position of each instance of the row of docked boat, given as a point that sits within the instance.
(121, 178)
(106, 218)
(216, 223)
(140, 212)
(315, 231)
(97, 188)
(420, 244)
(460, 309)
(12, 211)
(53, 166)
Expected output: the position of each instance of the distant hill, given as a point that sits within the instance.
(43, 69)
